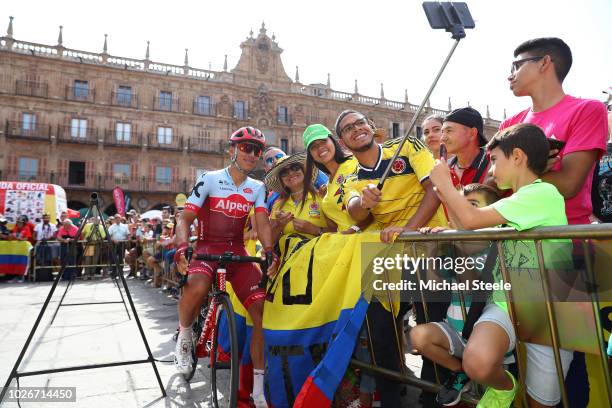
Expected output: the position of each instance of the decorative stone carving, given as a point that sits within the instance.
(262, 55)
(262, 106)
(224, 107)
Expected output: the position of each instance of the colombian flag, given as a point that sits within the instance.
(312, 317)
(14, 257)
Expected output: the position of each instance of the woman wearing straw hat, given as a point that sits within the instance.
(325, 154)
(298, 211)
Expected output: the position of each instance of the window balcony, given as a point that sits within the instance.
(204, 109)
(127, 183)
(36, 131)
(80, 94)
(123, 99)
(77, 134)
(166, 104)
(31, 88)
(205, 145)
(88, 182)
(284, 120)
(125, 139)
(241, 114)
(165, 142)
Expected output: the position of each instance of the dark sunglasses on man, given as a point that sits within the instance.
(295, 167)
(516, 65)
(249, 148)
(270, 160)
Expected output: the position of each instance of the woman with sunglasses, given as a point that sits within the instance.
(270, 156)
(324, 153)
(298, 210)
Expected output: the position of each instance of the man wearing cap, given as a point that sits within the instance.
(463, 136)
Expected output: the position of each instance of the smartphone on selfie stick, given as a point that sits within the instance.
(454, 17)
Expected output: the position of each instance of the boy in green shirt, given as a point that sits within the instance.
(518, 158)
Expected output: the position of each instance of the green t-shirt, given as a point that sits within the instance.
(538, 204)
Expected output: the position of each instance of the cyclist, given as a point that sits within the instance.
(221, 201)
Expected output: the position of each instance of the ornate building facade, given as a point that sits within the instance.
(92, 121)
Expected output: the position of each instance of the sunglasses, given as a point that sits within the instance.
(249, 148)
(295, 167)
(270, 160)
(352, 126)
(516, 65)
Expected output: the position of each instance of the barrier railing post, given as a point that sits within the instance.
(595, 302)
(513, 318)
(424, 303)
(552, 322)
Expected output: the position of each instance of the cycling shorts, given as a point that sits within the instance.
(244, 277)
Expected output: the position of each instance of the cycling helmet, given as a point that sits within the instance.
(248, 134)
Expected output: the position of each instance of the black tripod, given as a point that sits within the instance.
(15, 374)
(96, 243)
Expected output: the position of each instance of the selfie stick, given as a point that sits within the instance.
(457, 28)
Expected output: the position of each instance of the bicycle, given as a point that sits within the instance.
(206, 335)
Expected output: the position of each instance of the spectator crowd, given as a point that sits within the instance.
(548, 165)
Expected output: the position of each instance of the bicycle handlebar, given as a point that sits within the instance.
(229, 258)
(225, 258)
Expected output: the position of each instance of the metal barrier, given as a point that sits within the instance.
(564, 311)
(88, 254)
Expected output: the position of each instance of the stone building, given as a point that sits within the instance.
(92, 121)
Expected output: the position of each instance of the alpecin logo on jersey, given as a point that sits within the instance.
(235, 205)
(399, 165)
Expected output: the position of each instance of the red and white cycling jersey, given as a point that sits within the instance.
(222, 207)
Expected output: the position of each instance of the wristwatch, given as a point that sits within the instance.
(355, 228)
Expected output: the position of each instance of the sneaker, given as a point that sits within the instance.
(260, 401)
(493, 398)
(182, 352)
(450, 393)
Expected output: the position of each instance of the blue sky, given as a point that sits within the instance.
(373, 42)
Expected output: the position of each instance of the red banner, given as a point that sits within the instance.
(119, 200)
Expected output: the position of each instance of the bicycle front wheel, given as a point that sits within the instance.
(224, 365)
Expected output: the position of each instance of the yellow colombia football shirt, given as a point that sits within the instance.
(333, 202)
(402, 192)
(311, 212)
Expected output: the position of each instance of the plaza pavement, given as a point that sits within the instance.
(93, 334)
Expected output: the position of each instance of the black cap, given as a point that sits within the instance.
(469, 117)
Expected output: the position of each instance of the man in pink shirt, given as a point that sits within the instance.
(538, 71)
